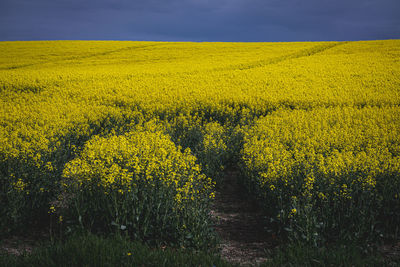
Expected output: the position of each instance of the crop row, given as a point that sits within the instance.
(314, 127)
(327, 173)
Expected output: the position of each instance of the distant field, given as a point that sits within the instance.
(135, 136)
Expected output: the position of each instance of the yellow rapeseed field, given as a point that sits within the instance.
(314, 127)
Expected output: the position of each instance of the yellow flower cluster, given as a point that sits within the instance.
(56, 96)
(19, 185)
(342, 161)
(330, 144)
(138, 180)
(121, 163)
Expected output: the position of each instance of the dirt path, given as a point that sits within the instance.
(239, 224)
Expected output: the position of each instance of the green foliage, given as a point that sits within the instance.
(207, 141)
(142, 184)
(328, 174)
(31, 165)
(91, 250)
(340, 255)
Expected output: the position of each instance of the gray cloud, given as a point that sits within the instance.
(200, 20)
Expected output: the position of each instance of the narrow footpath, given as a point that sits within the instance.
(239, 224)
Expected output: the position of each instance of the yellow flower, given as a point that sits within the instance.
(52, 210)
(272, 187)
(20, 185)
(322, 195)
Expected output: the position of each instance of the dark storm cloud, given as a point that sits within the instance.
(200, 20)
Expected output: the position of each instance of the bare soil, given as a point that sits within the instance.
(23, 243)
(240, 224)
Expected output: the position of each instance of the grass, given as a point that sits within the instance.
(338, 255)
(93, 250)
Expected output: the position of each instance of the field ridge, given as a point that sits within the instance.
(302, 53)
(239, 223)
(79, 57)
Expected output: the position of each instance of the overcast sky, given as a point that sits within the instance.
(200, 20)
